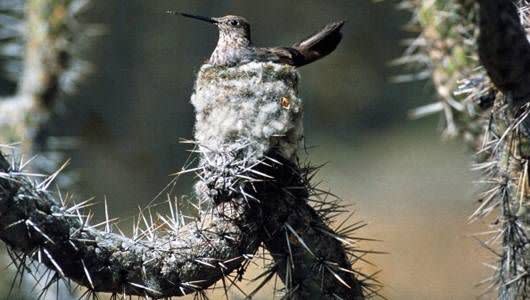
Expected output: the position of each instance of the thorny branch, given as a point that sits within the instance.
(186, 259)
(172, 258)
(505, 53)
(309, 257)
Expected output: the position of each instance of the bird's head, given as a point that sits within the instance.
(234, 25)
(230, 26)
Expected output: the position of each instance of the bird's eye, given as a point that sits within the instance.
(233, 22)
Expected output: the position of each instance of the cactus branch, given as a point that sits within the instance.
(309, 257)
(505, 53)
(494, 93)
(187, 259)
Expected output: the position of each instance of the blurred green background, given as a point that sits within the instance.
(413, 189)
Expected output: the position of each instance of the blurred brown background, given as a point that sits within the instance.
(414, 190)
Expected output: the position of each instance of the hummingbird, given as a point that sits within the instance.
(234, 46)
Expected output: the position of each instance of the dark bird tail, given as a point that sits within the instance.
(314, 47)
(319, 44)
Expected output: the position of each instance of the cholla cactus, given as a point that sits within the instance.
(39, 45)
(251, 192)
(486, 102)
(445, 50)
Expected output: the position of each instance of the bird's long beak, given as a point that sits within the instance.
(205, 19)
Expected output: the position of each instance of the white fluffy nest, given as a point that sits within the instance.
(253, 107)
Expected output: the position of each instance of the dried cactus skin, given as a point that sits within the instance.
(251, 191)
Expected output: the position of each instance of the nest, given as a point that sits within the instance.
(253, 106)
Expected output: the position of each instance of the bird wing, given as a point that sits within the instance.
(320, 43)
(306, 51)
